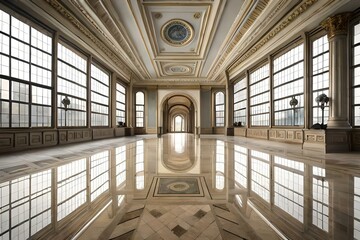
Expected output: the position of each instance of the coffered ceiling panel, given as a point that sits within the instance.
(176, 33)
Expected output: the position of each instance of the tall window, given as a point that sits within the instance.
(356, 75)
(25, 75)
(320, 76)
(240, 102)
(120, 103)
(260, 96)
(140, 108)
(100, 81)
(289, 86)
(219, 109)
(72, 88)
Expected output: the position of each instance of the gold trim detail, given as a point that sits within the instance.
(183, 39)
(197, 15)
(276, 30)
(157, 15)
(257, 11)
(76, 23)
(336, 25)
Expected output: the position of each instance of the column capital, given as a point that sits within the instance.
(336, 25)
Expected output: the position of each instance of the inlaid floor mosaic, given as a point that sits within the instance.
(178, 187)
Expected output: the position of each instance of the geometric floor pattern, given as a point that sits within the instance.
(177, 222)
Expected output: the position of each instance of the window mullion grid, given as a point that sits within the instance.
(356, 114)
(284, 114)
(319, 46)
(120, 117)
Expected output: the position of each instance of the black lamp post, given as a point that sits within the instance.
(66, 102)
(322, 100)
(293, 102)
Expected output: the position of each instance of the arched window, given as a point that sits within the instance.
(219, 109)
(140, 107)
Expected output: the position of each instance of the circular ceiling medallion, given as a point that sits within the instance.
(179, 69)
(176, 69)
(177, 32)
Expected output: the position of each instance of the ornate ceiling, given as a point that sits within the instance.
(166, 42)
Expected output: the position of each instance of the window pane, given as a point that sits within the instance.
(120, 104)
(240, 101)
(100, 81)
(289, 87)
(72, 87)
(320, 77)
(356, 75)
(259, 96)
(29, 71)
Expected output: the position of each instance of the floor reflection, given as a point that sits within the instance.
(305, 197)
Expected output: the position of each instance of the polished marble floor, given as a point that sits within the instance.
(179, 187)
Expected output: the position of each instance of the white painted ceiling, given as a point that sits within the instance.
(143, 21)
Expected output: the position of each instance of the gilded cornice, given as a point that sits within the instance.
(336, 25)
(295, 14)
(76, 23)
(257, 11)
(119, 39)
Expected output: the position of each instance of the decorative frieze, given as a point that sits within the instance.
(93, 38)
(257, 133)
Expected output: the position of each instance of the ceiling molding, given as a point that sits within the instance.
(260, 6)
(118, 43)
(295, 14)
(95, 40)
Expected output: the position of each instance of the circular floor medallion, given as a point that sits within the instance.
(179, 186)
(177, 32)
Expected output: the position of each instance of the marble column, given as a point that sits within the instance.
(337, 137)
(336, 27)
(229, 111)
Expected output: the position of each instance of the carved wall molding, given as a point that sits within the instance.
(294, 15)
(95, 40)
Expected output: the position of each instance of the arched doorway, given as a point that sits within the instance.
(178, 114)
